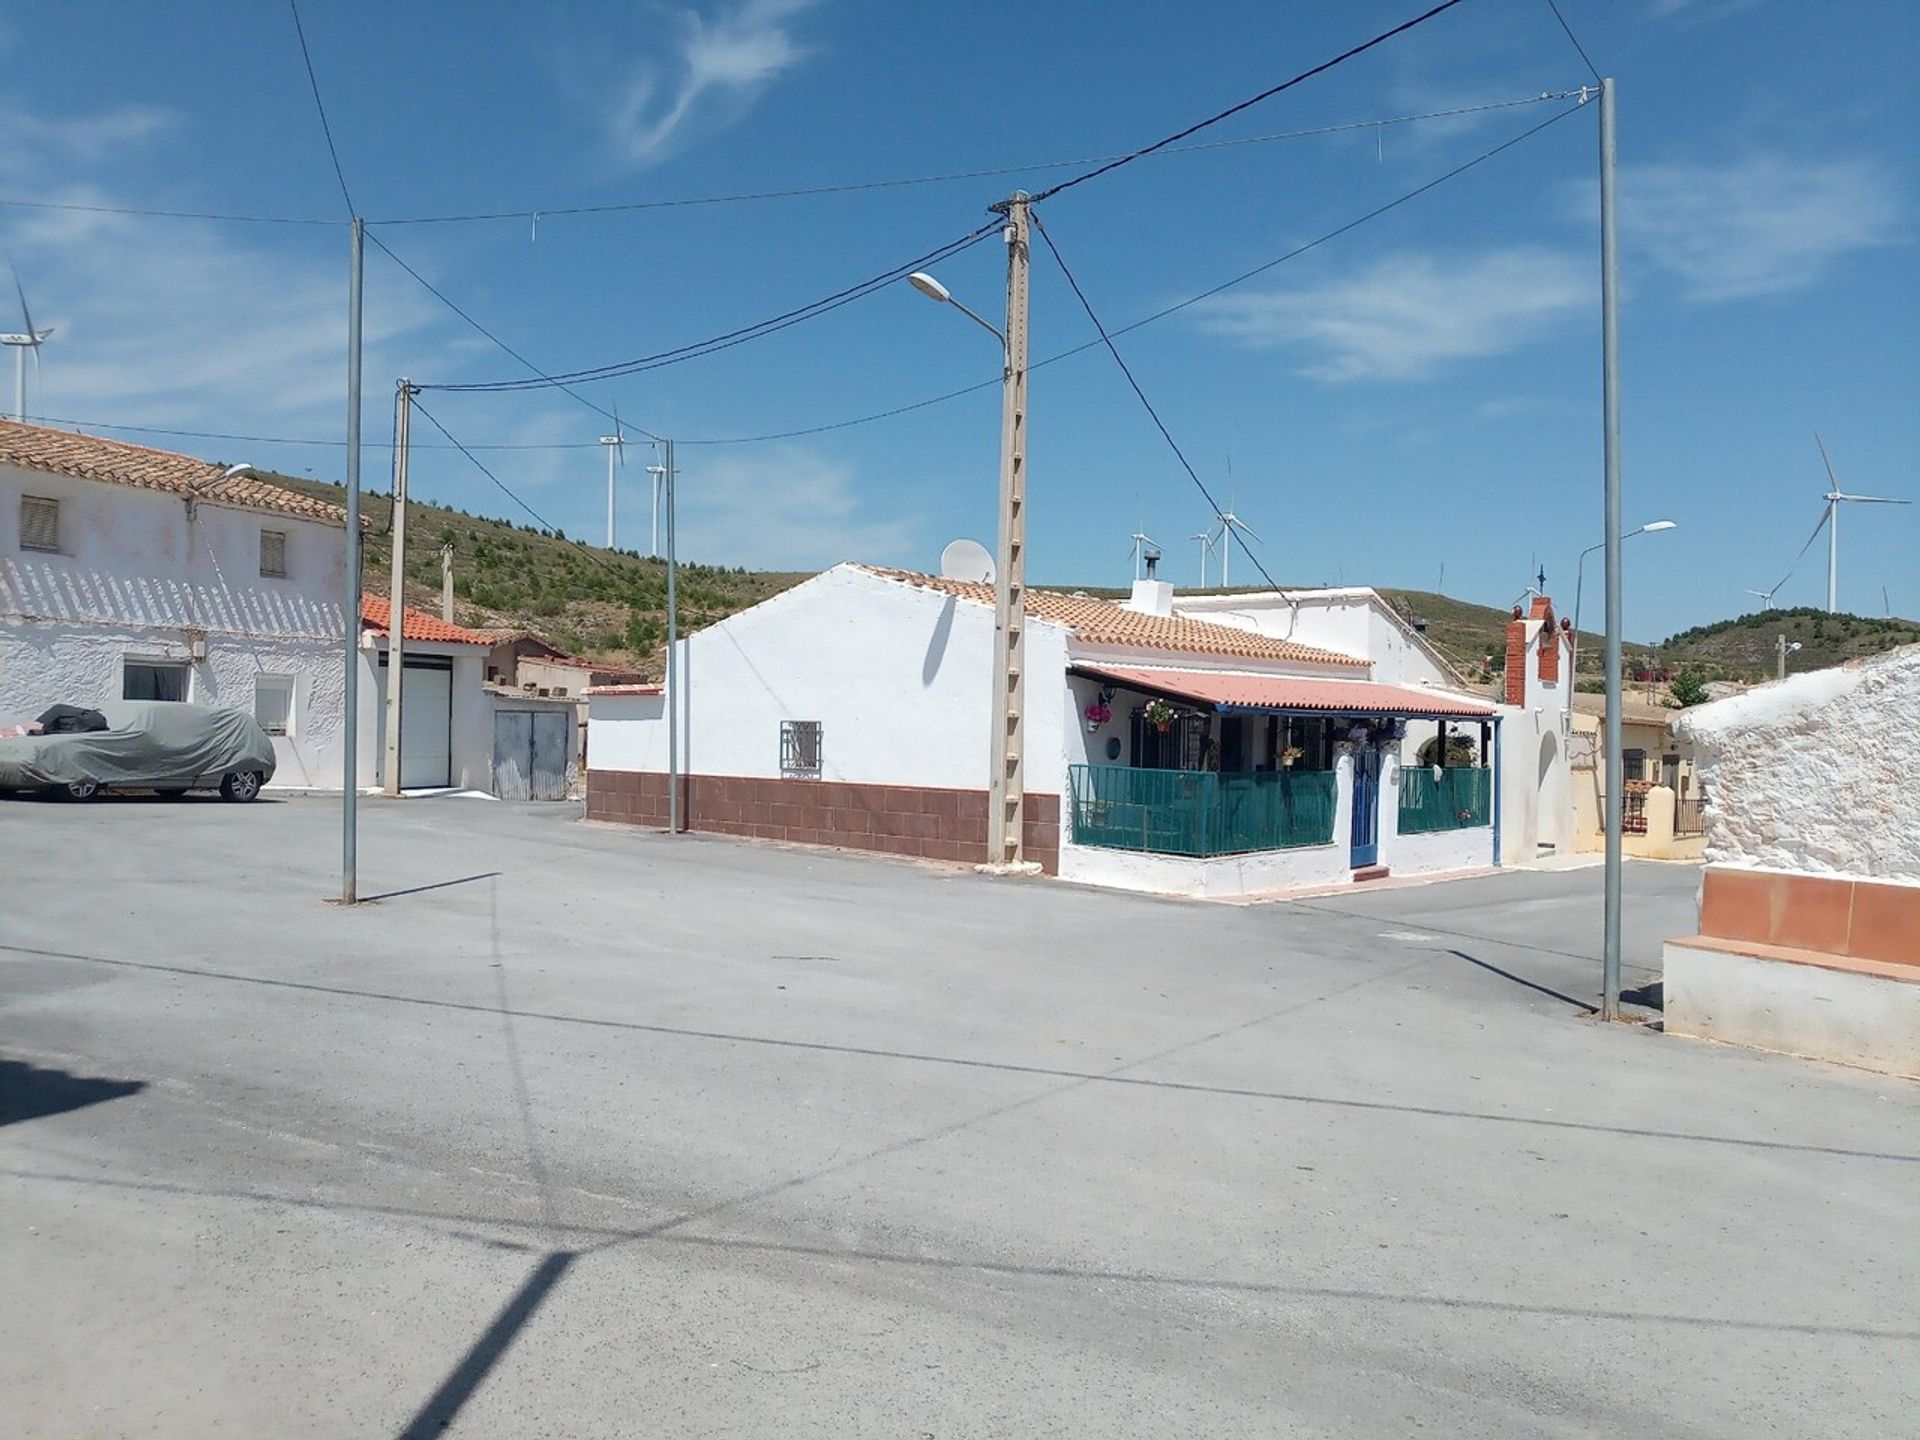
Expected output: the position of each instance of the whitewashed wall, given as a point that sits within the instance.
(1816, 772)
(471, 734)
(898, 676)
(140, 577)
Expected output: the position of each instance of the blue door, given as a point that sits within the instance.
(1366, 806)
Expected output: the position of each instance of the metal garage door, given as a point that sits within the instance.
(426, 722)
(530, 754)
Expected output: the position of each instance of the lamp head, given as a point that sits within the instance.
(234, 472)
(1653, 525)
(929, 287)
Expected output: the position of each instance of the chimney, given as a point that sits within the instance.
(1151, 597)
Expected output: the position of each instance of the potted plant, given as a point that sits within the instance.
(1159, 714)
(1289, 755)
(1098, 712)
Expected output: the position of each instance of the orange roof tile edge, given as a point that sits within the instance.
(120, 462)
(377, 614)
(1103, 622)
(1295, 692)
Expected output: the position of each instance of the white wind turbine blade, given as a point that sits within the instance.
(1246, 527)
(1870, 499)
(1831, 478)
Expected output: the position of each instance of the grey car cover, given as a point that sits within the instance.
(147, 742)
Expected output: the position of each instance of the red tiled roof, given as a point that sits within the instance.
(1288, 692)
(89, 457)
(1102, 622)
(624, 690)
(377, 614)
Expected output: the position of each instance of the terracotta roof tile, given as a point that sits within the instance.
(377, 614)
(89, 457)
(1102, 622)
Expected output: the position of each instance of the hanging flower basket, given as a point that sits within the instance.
(1098, 713)
(1159, 714)
(1290, 755)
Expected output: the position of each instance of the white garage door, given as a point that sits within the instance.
(426, 724)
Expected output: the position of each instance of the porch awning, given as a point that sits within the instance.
(1298, 694)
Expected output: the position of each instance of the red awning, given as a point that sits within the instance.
(1293, 692)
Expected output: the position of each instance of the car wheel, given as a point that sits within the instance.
(83, 789)
(242, 786)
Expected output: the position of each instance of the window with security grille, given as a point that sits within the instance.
(273, 553)
(39, 524)
(273, 703)
(800, 747)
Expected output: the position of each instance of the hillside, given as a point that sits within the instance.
(604, 604)
(611, 604)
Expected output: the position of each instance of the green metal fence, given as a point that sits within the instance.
(1200, 812)
(1457, 798)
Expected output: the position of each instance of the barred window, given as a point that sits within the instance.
(273, 703)
(800, 747)
(273, 553)
(39, 523)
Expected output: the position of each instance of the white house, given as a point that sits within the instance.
(131, 573)
(1164, 752)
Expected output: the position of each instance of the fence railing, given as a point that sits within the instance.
(1686, 815)
(1456, 798)
(1200, 812)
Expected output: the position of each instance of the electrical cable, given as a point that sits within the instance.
(1551, 5)
(1153, 414)
(1249, 103)
(729, 339)
(442, 297)
(1173, 309)
(84, 425)
(325, 128)
(799, 192)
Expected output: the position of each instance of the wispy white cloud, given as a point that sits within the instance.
(786, 508)
(1764, 224)
(1697, 9)
(1407, 315)
(724, 62)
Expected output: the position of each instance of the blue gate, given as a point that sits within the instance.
(1366, 806)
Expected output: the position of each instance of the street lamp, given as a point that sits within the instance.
(1580, 577)
(1006, 774)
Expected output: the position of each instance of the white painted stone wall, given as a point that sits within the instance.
(1421, 854)
(1819, 772)
(471, 733)
(898, 676)
(1216, 877)
(140, 576)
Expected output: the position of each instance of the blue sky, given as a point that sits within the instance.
(1422, 391)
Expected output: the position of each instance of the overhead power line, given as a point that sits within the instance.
(1153, 414)
(1177, 306)
(336, 444)
(325, 128)
(799, 192)
(1553, 6)
(443, 298)
(1248, 103)
(726, 341)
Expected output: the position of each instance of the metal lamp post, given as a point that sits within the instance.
(1580, 578)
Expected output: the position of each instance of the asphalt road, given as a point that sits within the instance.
(586, 1132)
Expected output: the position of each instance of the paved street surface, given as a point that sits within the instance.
(585, 1132)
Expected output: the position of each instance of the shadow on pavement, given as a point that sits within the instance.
(28, 1092)
(1491, 968)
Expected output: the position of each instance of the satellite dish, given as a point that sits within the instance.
(966, 560)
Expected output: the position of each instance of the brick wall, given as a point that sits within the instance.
(1516, 661)
(935, 824)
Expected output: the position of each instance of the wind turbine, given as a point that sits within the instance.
(1766, 596)
(616, 444)
(28, 339)
(1206, 545)
(1229, 522)
(1831, 520)
(1140, 542)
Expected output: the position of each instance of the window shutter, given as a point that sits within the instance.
(273, 703)
(273, 552)
(39, 523)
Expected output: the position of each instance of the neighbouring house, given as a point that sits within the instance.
(133, 573)
(456, 730)
(1809, 925)
(1660, 795)
(531, 664)
(1163, 751)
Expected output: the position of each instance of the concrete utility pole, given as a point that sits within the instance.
(446, 582)
(1610, 387)
(350, 741)
(1782, 649)
(396, 604)
(1006, 787)
(673, 649)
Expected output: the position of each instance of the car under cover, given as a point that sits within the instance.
(164, 743)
